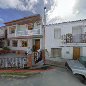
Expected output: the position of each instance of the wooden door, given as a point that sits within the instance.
(37, 44)
(76, 53)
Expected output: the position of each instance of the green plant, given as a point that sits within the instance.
(6, 48)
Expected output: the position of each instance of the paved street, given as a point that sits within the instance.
(55, 77)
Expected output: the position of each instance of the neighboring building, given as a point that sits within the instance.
(3, 36)
(24, 33)
(66, 40)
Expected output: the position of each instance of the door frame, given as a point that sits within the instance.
(35, 43)
(76, 53)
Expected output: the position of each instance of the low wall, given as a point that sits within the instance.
(13, 62)
(20, 60)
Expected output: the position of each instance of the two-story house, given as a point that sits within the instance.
(3, 36)
(25, 32)
(66, 40)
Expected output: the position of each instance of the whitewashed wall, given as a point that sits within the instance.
(19, 47)
(2, 32)
(83, 51)
(67, 52)
(23, 27)
(66, 28)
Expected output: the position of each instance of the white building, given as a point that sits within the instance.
(66, 40)
(2, 36)
(24, 33)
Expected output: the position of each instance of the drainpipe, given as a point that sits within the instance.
(44, 26)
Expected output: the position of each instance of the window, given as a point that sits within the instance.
(77, 31)
(56, 52)
(57, 33)
(38, 23)
(14, 23)
(30, 26)
(12, 29)
(8, 42)
(24, 43)
(14, 43)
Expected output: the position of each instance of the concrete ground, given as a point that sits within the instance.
(59, 76)
(55, 77)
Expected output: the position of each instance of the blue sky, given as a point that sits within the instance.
(12, 14)
(57, 10)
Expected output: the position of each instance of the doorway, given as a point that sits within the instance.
(76, 53)
(37, 44)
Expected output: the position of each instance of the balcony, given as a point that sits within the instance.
(28, 32)
(78, 38)
(22, 30)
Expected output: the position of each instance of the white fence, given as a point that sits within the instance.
(13, 62)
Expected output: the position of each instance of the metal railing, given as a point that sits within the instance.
(28, 32)
(78, 38)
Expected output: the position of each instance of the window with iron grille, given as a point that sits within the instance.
(24, 43)
(12, 29)
(14, 43)
(30, 26)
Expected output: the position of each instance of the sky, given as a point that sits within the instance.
(56, 10)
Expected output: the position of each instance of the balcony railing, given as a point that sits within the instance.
(28, 32)
(78, 38)
(36, 31)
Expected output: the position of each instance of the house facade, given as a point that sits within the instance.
(3, 37)
(66, 40)
(24, 33)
